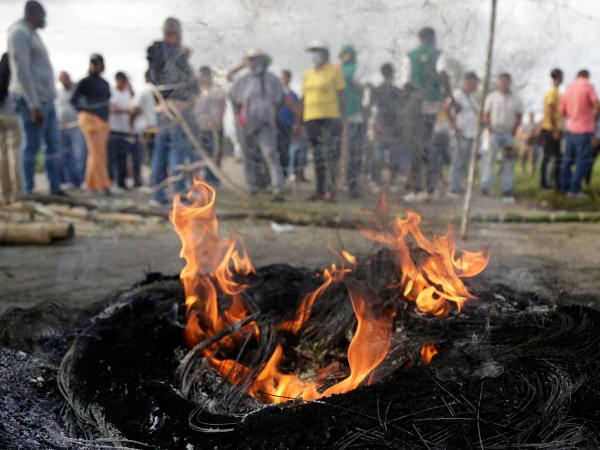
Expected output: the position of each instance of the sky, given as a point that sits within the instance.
(533, 36)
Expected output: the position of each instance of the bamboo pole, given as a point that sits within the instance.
(464, 225)
(173, 113)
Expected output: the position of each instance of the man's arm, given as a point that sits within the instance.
(289, 101)
(20, 49)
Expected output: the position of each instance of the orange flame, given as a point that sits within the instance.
(428, 352)
(214, 301)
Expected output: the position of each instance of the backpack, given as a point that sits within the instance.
(4, 77)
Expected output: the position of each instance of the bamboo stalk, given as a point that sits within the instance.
(464, 225)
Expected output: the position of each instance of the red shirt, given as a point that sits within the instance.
(578, 106)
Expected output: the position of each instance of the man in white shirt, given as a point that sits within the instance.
(145, 122)
(74, 153)
(462, 115)
(122, 139)
(209, 111)
(502, 117)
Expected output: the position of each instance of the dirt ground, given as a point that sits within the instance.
(547, 258)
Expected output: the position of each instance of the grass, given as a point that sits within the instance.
(528, 188)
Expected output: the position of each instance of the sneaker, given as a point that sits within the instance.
(580, 196)
(144, 189)
(155, 204)
(453, 195)
(435, 195)
(60, 193)
(329, 197)
(416, 197)
(354, 194)
(485, 192)
(115, 190)
(508, 199)
(394, 188)
(314, 197)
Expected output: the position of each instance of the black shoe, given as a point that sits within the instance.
(60, 193)
(278, 198)
(485, 192)
(354, 194)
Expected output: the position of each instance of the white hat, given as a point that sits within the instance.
(316, 45)
(257, 53)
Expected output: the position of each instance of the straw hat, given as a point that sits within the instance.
(316, 45)
(258, 53)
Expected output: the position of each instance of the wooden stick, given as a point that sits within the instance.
(173, 112)
(464, 225)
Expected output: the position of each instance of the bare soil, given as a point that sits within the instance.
(560, 261)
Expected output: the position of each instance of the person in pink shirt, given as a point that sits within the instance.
(579, 105)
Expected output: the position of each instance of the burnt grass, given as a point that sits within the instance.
(513, 370)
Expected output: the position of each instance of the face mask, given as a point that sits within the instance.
(44, 23)
(258, 70)
(317, 58)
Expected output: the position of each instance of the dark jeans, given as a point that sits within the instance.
(324, 136)
(579, 152)
(33, 135)
(388, 149)
(207, 140)
(284, 138)
(550, 170)
(424, 160)
(120, 145)
(73, 156)
(356, 144)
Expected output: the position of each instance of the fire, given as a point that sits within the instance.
(428, 352)
(215, 304)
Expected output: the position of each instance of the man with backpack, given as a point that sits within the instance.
(32, 82)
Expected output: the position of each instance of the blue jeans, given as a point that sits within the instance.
(391, 150)
(459, 161)
(206, 139)
(33, 134)
(578, 151)
(171, 148)
(499, 142)
(73, 156)
(298, 156)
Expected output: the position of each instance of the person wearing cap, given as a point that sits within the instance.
(257, 96)
(322, 105)
(91, 100)
(354, 119)
(32, 83)
(463, 116)
(427, 67)
(170, 71)
(122, 139)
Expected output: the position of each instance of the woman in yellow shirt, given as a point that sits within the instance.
(322, 102)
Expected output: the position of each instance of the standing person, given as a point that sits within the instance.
(209, 111)
(32, 82)
(10, 137)
(172, 74)
(145, 121)
(503, 112)
(120, 143)
(91, 100)
(579, 105)
(257, 96)
(427, 73)
(354, 119)
(463, 116)
(73, 154)
(286, 118)
(387, 101)
(551, 133)
(528, 134)
(322, 102)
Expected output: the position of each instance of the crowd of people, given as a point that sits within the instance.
(397, 134)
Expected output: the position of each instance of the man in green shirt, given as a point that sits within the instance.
(427, 75)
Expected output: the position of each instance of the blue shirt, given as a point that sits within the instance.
(286, 115)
